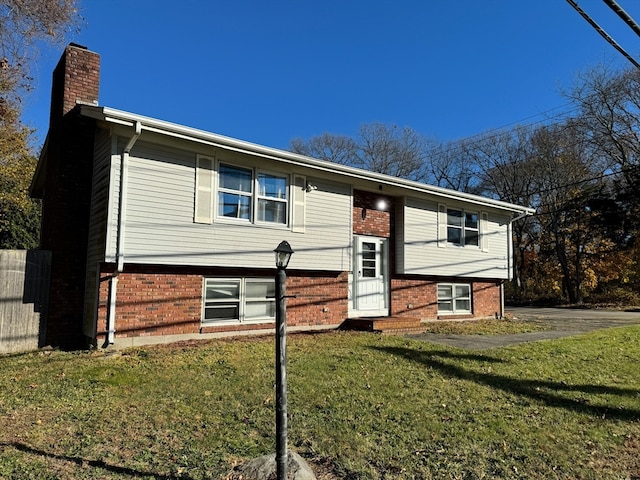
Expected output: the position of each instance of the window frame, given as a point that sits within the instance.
(463, 228)
(454, 298)
(259, 196)
(241, 301)
(255, 196)
(250, 194)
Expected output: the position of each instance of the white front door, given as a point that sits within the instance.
(370, 276)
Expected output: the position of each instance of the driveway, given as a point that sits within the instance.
(564, 322)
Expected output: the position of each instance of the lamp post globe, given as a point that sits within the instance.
(283, 254)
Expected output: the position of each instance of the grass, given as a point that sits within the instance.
(362, 406)
(487, 326)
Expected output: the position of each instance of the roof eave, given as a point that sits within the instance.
(36, 188)
(120, 117)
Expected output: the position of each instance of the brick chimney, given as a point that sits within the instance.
(76, 79)
(65, 188)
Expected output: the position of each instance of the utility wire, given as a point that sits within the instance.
(603, 34)
(623, 15)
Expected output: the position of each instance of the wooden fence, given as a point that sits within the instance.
(24, 294)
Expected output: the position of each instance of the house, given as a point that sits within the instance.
(160, 232)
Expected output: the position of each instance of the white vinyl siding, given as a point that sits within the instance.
(160, 225)
(97, 241)
(425, 251)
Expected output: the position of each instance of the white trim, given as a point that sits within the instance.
(463, 228)
(241, 301)
(119, 117)
(258, 196)
(383, 264)
(298, 203)
(442, 226)
(484, 231)
(454, 310)
(253, 195)
(204, 189)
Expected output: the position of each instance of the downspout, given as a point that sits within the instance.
(510, 252)
(122, 208)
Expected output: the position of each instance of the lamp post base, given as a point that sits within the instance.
(263, 468)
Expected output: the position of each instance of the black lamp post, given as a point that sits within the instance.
(283, 255)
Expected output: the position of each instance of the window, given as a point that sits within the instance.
(454, 298)
(232, 300)
(236, 197)
(462, 227)
(235, 192)
(272, 198)
(247, 195)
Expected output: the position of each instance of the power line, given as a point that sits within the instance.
(603, 34)
(623, 15)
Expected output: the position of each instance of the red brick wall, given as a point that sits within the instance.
(367, 218)
(164, 301)
(152, 303)
(486, 299)
(321, 299)
(415, 297)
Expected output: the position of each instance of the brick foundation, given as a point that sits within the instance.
(418, 297)
(157, 300)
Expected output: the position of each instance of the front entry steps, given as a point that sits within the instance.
(390, 325)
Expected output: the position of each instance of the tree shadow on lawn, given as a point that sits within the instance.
(81, 462)
(548, 392)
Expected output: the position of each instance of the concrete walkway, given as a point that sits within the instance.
(564, 322)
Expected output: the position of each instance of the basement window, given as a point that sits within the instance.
(238, 300)
(454, 298)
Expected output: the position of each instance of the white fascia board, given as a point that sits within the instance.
(119, 117)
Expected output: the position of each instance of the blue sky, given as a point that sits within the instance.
(267, 72)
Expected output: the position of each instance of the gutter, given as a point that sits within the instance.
(119, 117)
(122, 210)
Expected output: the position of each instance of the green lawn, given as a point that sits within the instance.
(361, 405)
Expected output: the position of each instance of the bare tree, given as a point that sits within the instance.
(332, 148)
(380, 148)
(23, 25)
(392, 150)
(609, 103)
(565, 181)
(505, 169)
(448, 165)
